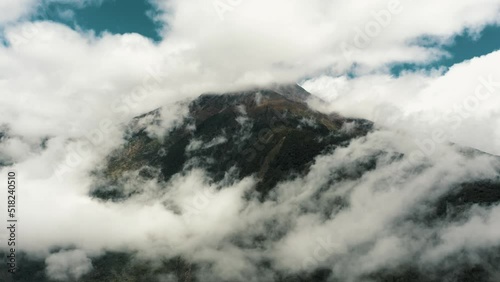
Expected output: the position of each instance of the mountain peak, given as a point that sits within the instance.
(270, 133)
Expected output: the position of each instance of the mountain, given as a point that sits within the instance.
(272, 135)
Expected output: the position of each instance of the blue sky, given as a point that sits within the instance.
(114, 16)
(463, 47)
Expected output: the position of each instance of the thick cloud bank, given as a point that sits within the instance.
(461, 104)
(340, 216)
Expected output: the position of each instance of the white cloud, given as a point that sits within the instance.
(68, 265)
(13, 10)
(461, 103)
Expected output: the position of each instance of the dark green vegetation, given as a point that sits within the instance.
(271, 134)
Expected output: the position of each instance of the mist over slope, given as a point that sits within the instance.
(257, 186)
